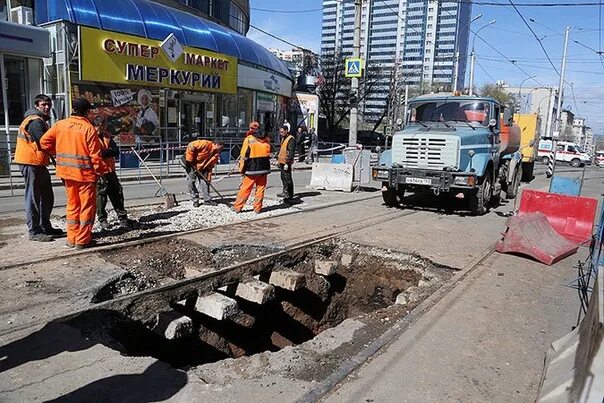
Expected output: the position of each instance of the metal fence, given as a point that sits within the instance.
(162, 158)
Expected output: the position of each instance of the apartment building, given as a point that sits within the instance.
(411, 42)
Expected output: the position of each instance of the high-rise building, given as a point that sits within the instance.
(411, 41)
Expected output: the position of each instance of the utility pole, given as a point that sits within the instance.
(354, 84)
(551, 168)
(473, 59)
(456, 72)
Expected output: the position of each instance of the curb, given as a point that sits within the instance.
(146, 177)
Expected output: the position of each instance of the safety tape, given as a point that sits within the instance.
(149, 150)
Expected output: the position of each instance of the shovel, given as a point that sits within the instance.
(170, 198)
(202, 176)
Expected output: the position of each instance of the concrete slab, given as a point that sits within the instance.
(173, 325)
(255, 291)
(217, 306)
(326, 267)
(287, 279)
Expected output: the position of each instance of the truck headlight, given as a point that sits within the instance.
(465, 181)
(380, 174)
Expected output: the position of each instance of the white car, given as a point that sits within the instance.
(600, 158)
(565, 152)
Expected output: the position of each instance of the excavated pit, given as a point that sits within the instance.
(367, 282)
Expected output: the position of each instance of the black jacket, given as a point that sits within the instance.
(37, 128)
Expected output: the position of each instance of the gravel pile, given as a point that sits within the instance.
(154, 220)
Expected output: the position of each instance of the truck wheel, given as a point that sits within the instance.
(481, 197)
(545, 160)
(528, 170)
(512, 189)
(390, 197)
(575, 162)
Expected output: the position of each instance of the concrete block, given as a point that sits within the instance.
(217, 306)
(346, 260)
(287, 279)
(401, 299)
(325, 267)
(255, 291)
(172, 325)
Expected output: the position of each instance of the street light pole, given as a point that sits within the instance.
(354, 84)
(456, 54)
(473, 59)
(520, 92)
(551, 168)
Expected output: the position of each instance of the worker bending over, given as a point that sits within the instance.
(285, 158)
(200, 158)
(76, 145)
(33, 162)
(254, 166)
(108, 185)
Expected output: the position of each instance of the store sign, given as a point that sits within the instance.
(249, 77)
(126, 59)
(121, 97)
(172, 48)
(265, 102)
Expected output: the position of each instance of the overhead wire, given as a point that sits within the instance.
(535, 35)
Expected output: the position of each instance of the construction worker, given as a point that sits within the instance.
(200, 158)
(254, 165)
(33, 162)
(76, 145)
(285, 158)
(108, 185)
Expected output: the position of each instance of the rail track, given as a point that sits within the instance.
(143, 305)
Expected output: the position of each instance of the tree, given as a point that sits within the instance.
(498, 93)
(333, 89)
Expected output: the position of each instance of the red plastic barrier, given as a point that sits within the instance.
(571, 216)
(532, 235)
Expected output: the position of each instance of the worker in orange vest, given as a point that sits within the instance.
(108, 185)
(33, 162)
(285, 158)
(76, 145)
(254, 165)
(200, 158)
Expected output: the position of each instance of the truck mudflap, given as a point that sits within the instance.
(532, 235)
(438, 180)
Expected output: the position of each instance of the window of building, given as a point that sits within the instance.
(238, 20)
(245, 108)
(16, 89)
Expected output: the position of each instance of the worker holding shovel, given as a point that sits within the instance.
(199, 160)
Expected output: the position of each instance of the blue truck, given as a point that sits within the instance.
(463, 145)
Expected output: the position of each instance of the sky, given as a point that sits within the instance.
(509, 35)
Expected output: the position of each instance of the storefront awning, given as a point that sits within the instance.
(156, 21)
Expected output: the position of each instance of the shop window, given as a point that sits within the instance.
(245, 108)
(16, 88)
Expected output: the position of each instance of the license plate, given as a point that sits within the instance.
(418, 181)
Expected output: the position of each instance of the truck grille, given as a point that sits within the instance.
(426, 152)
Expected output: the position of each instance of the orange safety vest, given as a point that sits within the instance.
(202, 154)
(27, 151)
(77, 147)
(109, 161)
(282, 156)
(255, 156)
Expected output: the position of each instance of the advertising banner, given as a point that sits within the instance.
(126, 59)
(131, 115)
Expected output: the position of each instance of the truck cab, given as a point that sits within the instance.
(450, 144)
(566, 152)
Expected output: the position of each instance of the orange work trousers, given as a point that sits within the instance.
(246, 189)
(81, 210)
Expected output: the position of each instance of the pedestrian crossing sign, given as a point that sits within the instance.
(354, 68)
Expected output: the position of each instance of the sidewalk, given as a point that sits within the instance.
(141, 174)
